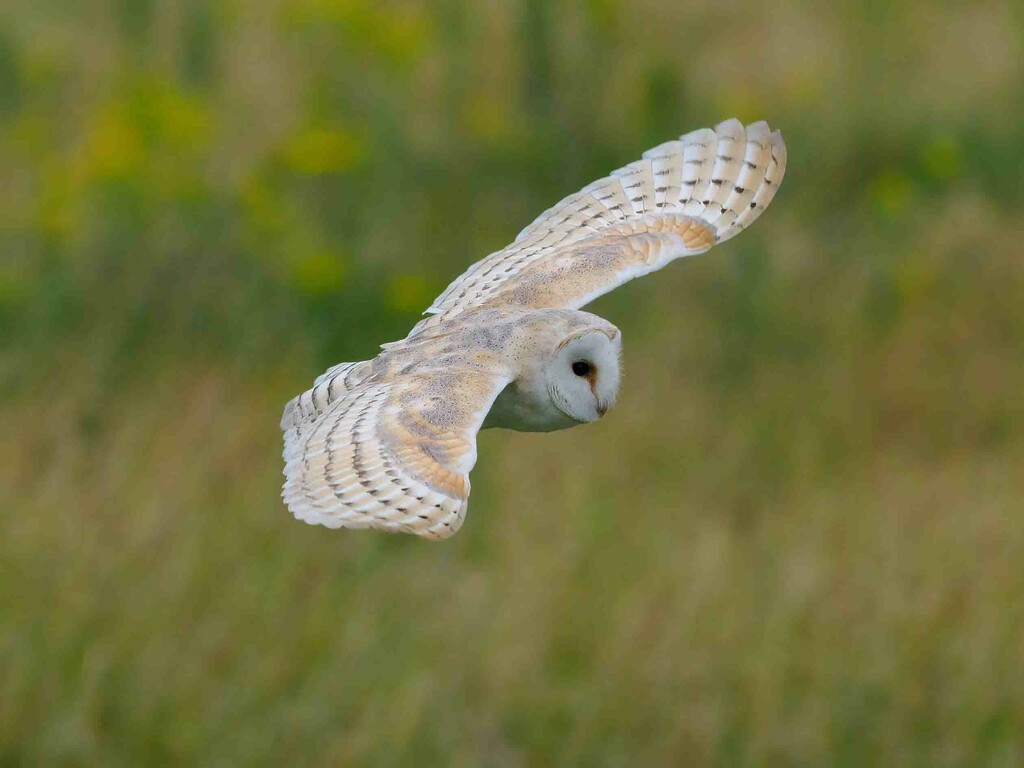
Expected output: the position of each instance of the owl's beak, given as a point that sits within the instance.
(602, 407)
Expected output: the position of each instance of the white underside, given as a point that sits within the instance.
(522, 412)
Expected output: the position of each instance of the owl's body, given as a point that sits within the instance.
(389, 443)
(506, 342)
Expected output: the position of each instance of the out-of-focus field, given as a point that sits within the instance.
(797, 540)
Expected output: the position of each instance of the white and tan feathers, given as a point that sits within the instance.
(389, 443)
(679, 199)
(393, 450)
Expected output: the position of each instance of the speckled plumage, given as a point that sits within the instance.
(389, 443)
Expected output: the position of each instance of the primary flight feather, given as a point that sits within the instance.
(389, 443)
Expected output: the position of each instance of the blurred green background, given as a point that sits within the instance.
(797, 540)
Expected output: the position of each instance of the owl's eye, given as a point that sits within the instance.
(581, 367)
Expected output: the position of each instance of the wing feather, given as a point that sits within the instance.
(393, 455)
(681, 198)
(328, 387)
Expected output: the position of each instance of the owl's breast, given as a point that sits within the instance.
(525, 410)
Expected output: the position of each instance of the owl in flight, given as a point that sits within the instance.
(389, 443)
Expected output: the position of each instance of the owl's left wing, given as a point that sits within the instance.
(680, 199)
(390, 454)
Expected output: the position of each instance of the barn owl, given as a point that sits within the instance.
(389, 443)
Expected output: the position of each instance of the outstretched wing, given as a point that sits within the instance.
(389, 454)
(680, 199)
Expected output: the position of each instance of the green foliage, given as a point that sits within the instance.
(796, 540)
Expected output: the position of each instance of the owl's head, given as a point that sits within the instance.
(583, 375)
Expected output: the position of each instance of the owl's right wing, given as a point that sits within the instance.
(680, 199)
(390, 454)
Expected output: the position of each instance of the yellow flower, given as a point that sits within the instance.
(113, 144)
(184, 120)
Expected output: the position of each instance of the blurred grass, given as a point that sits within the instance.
(796, 541)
